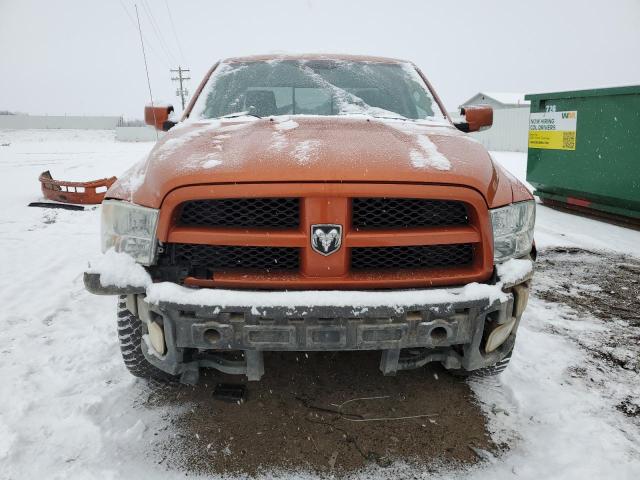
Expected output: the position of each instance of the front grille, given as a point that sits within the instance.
(414, 257)
(407, 213)
(241, 213)
(369, 257)
(202, 259)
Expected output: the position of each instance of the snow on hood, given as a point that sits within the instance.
(426, 153)
(356, 148)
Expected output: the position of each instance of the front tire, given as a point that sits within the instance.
(130, 333)
(490, 371)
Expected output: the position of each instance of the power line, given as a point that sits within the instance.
(158, 32)
(175, 34)
(133, 24)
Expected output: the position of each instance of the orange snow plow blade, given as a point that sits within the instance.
(85, 193)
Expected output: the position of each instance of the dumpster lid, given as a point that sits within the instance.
(593, 92)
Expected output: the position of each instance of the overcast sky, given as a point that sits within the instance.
(84, 56)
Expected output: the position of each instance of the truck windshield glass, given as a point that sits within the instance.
(316, 87)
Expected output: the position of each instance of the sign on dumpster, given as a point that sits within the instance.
(553, 130)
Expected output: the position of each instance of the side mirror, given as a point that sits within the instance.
(477, 118)
(158, 117)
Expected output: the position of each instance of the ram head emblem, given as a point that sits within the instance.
(326, 238)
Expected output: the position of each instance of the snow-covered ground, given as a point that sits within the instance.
(68, 408)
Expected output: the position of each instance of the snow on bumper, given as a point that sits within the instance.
(118, 274)
(253, 321)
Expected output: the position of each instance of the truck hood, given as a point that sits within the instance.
(312, 149)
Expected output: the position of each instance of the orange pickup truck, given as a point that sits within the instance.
(316, 202)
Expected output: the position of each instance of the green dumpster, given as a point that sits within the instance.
(584, 149)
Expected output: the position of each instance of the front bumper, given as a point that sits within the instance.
(409, 334)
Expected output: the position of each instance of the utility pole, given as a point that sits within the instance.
(181, 91)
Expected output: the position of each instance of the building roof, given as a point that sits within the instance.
(505, 98)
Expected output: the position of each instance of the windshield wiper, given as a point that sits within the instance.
(241, 114)
(394, 118)
(374, 116)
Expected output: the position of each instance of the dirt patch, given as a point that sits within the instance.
(49, 218)
(606, 286)
(296, 418)
(599, 285)
(629, 407)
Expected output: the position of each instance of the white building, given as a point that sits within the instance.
(510, 128)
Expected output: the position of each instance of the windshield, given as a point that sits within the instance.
(316, 87)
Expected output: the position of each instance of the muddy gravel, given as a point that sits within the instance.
(600, 285)
(325, 412)
(604, 285)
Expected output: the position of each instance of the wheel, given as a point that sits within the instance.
(130, 336)
(489, 371)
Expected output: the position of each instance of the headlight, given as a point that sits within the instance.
(513, 230)
(130, 229)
